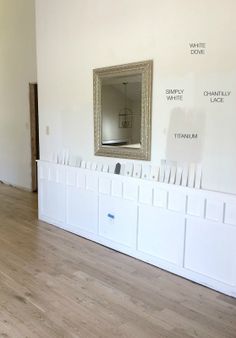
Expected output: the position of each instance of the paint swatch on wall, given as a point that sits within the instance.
(172, 174)
(154, 175)
(198, 178)
(99, 167)
(105, 168)
(179, 172)
(83, 164)
(184, 181)
(67, 156)
(55, 157)
(146, 171)
(137, 170)
(72, 161)
(191, 175)
(111, 169)
(162, 171)
(78, 161)
(167, 173)
(128, 169)
(93, 166)
(88, 165)
(122, 169)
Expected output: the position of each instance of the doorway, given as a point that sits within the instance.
(34, 132)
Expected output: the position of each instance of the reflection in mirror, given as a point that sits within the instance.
(122, 110)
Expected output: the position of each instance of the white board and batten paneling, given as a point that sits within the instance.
(81, 191)
(187, 231)
(52, 192)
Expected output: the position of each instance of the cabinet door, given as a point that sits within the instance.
(118, 220)
(52, 193)
(211, 249)
(82, 209)
(53, 201)
(161, 233)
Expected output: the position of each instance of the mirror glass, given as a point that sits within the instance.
(122, 110)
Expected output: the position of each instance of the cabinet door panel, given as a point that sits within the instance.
(82, 209)
(118, 220)
(211, 250)
(161, 233)
(52, 197)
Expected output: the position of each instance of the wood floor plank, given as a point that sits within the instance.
(55, 284)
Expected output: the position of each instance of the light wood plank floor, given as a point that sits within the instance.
(56, 284)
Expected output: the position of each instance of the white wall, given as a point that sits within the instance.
(17, 69)
(74, 37)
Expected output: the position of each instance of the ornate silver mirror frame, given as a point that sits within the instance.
(101, 75)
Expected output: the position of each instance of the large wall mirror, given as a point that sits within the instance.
(122, 110)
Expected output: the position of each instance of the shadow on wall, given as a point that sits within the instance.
(186, 134)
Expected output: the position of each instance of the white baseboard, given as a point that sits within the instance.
(16, 186)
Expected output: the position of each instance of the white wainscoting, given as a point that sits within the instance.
(187, 231)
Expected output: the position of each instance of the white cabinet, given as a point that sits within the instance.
(186, 231)
(118, 220)
(161, 234)
(211, 250)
